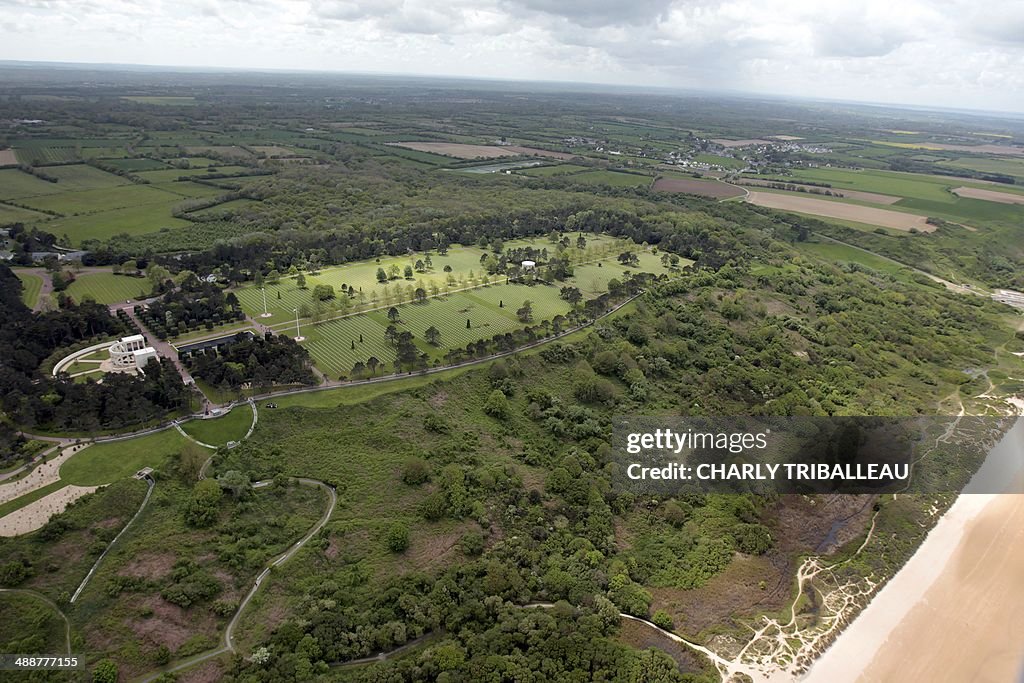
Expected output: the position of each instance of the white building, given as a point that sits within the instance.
(131, 353)
(143, 356)
(529, 265)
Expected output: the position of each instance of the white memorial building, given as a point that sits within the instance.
(131, 353)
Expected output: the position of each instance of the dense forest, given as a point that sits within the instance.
(32, 398)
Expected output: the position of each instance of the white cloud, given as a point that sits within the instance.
(940, 52)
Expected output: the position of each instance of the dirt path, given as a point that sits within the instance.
(52, 605)
(96, 564)
(227, 640)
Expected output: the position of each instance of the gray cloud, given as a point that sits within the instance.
(919, 51)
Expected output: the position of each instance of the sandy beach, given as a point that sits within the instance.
(955, 611)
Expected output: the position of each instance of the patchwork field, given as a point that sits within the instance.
(104, 225)
(832, 209)
(16, 214)
(872, 197)
(707, 188)
(107, 288)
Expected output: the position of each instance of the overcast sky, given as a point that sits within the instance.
(956, 53)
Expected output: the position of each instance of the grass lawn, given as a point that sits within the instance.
(548, 171)
(15, 184)
(843, 253)
(31, 285)
(103, 463)
(220, 430)
(107, 288)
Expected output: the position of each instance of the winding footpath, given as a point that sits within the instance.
(52, 605)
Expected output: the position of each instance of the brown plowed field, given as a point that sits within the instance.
(987, 195)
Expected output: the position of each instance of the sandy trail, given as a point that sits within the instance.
(35, 515)
(43, 475)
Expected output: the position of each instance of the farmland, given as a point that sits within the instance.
(707, 188)
(841, 210)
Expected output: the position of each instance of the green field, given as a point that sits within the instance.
(16, 214)
(724, 162)
(1012, 167)
(30, 287)
(103, 463)
(134, 220)
(220, 430)
(101, 199)
(15, 184)
(842, 253)
(335, 345)
(107, 288)
(136, 165)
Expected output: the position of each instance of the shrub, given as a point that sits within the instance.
(397, 538)
(416, 471)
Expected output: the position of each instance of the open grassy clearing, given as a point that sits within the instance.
(103, 463)
(224, 150)
(102, 199)
(16, 214)
(218, 431)
(107, 288)
(135, 220)
(1011, 167)
(31, 285)
(226, 207)
(842, 253)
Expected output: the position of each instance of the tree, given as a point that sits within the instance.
(432, 335)
(300, 280)
(358, 369)
(408, 273)
(416, 471)
(393, 271)
(382, 275)
(190, 461)
(420, 295)
(393, 314)
(428, 262)
(274, 277)
(257, 278)
(391, 333)
(202, 507)
(497, 405)
(468, 324)
(373, 363)
(234, 481)
(447, 269)
(525, 312)
(420, 266)
(323, 292)
(571, 294)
